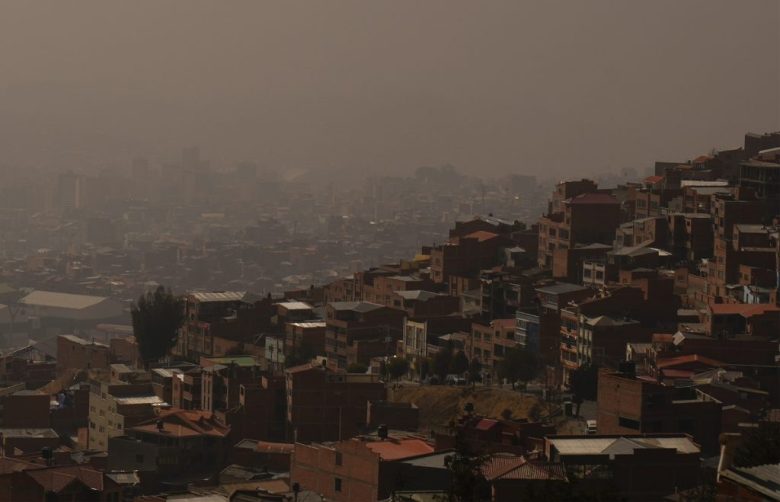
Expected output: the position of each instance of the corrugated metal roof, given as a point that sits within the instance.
(61, 300)
(295, 305)
(219, 296)
(619, 445)
(764, 479)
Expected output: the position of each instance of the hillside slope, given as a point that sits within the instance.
(439, 404)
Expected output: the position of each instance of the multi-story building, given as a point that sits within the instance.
(631, 405)
(77, 353)
(307, 337)
(422, 336)
(328, 405)
(728, 211)
(364, 469)
(352, 324)
(114, 407)
(585, 218)
(173, 445)
(489, 342)
(219, 321)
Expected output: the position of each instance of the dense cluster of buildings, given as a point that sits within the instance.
(660, 293)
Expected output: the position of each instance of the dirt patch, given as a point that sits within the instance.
(440, 404)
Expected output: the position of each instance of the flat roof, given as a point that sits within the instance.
(139, 400)
(295, 305)
(30, 433)
(61, 300)
(561, 287)
(219, 296)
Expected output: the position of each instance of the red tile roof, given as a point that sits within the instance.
(57, 478)
(653, 179)
(744, 309)
(486, 424)
(395, 450)
(689, 358)
(500, 464)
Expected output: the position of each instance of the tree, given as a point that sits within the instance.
(396, 367)
(475, 370)
(465, 466)
(424, 368)
(584, 385)
(759, 446)
(299, 355)
(357, 368)
(459, 363)
(442, 361)
(157, 317)
(518, 364)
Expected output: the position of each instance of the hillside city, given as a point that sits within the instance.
(198, 333)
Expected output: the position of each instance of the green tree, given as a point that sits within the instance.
(475, 370)
(584, 385)
(298, 356)
(459, 363)
(357, 368)
(424, 367)
(759, 446)
(396, 367)
(157, 317)
(468, 484)
(518, 364)
(442, 361)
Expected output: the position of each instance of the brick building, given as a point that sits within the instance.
(217, 322)
(582, 219)
(632, 405)
(113, 407)
(77, 353)
(362, 469)
(325, 404)
(350, 323)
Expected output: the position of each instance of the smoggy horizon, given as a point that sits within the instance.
(556, 88)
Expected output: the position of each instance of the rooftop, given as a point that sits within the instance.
(764, 479)
(81, 341)
(219, 296)
(743, 309)
(593, 198)
(560, 288)
(355, 306)
(61, 300)
(295, 305)
(620, 445)
(417, 294)
(403, 448)
(28, 433)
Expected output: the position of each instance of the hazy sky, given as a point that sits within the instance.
(563, 87)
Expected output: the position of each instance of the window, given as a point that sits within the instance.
(337, 484)
(628, 423)
(339, 458)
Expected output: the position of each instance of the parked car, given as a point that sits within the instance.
(590, 427)
(455, 380)
(431, 380)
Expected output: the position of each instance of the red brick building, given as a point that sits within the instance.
(76, 353)
(631, 405)
(361, 469)
(325, 404)
(348, 323)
